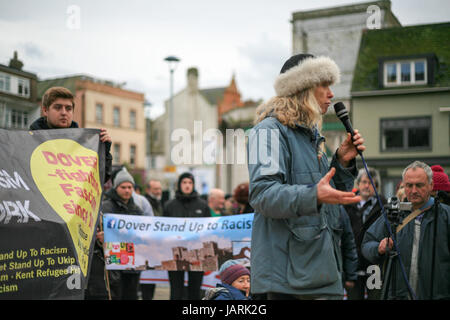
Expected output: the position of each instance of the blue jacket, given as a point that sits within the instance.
(295, 243)
(378, 231)
(231, 293)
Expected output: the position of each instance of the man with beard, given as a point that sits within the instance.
(153, 193)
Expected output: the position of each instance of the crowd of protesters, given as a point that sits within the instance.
(289, 211)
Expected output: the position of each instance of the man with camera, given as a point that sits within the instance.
(422, 241)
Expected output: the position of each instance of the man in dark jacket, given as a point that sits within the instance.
(422, 241)
(187, 203)
(362, 215)
(58, 107)
(124, 284)
(153, 193)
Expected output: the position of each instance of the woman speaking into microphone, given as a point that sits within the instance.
(294, 190)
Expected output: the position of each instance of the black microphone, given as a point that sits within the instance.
(342, 114)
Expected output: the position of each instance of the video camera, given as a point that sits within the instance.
(396, 210)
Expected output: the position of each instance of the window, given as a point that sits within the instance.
(116, 153)
(132, 155)
(23, 87)
(2, 115)
(419, 69)
(391, 72)
(133, 119)
(5, 82)
(116, 117)
(409, 134)
(14, 119)
(99, 113)
(408, 72)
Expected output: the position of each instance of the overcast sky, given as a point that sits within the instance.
(127, 41)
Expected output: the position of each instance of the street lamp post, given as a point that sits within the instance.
(172, 61)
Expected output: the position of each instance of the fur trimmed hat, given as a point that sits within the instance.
(304, 71)
(440, 179)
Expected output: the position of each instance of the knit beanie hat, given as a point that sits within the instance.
(183, 176)
(121, 177)
(230, 274)
(227, 264)
(305, 71)
(440, 179)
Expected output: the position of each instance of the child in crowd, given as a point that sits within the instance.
(235, 283)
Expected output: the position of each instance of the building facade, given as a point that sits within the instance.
(401, 98)
(18, 95)
(236, 118)
(204, 115)
(194, 114)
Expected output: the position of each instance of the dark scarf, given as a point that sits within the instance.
(41, 124)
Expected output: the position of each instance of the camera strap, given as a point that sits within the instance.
(410, 217)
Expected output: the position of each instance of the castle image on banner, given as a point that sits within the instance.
(208, 258)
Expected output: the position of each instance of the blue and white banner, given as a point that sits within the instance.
(163, 243)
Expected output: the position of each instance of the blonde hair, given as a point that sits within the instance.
(300, 108)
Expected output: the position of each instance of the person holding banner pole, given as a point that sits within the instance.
(58, 105)
(294, 190)
(187, 203)
(120, 201)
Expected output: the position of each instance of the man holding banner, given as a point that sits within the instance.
(120, 201)
(50, 191)
(58, 107)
